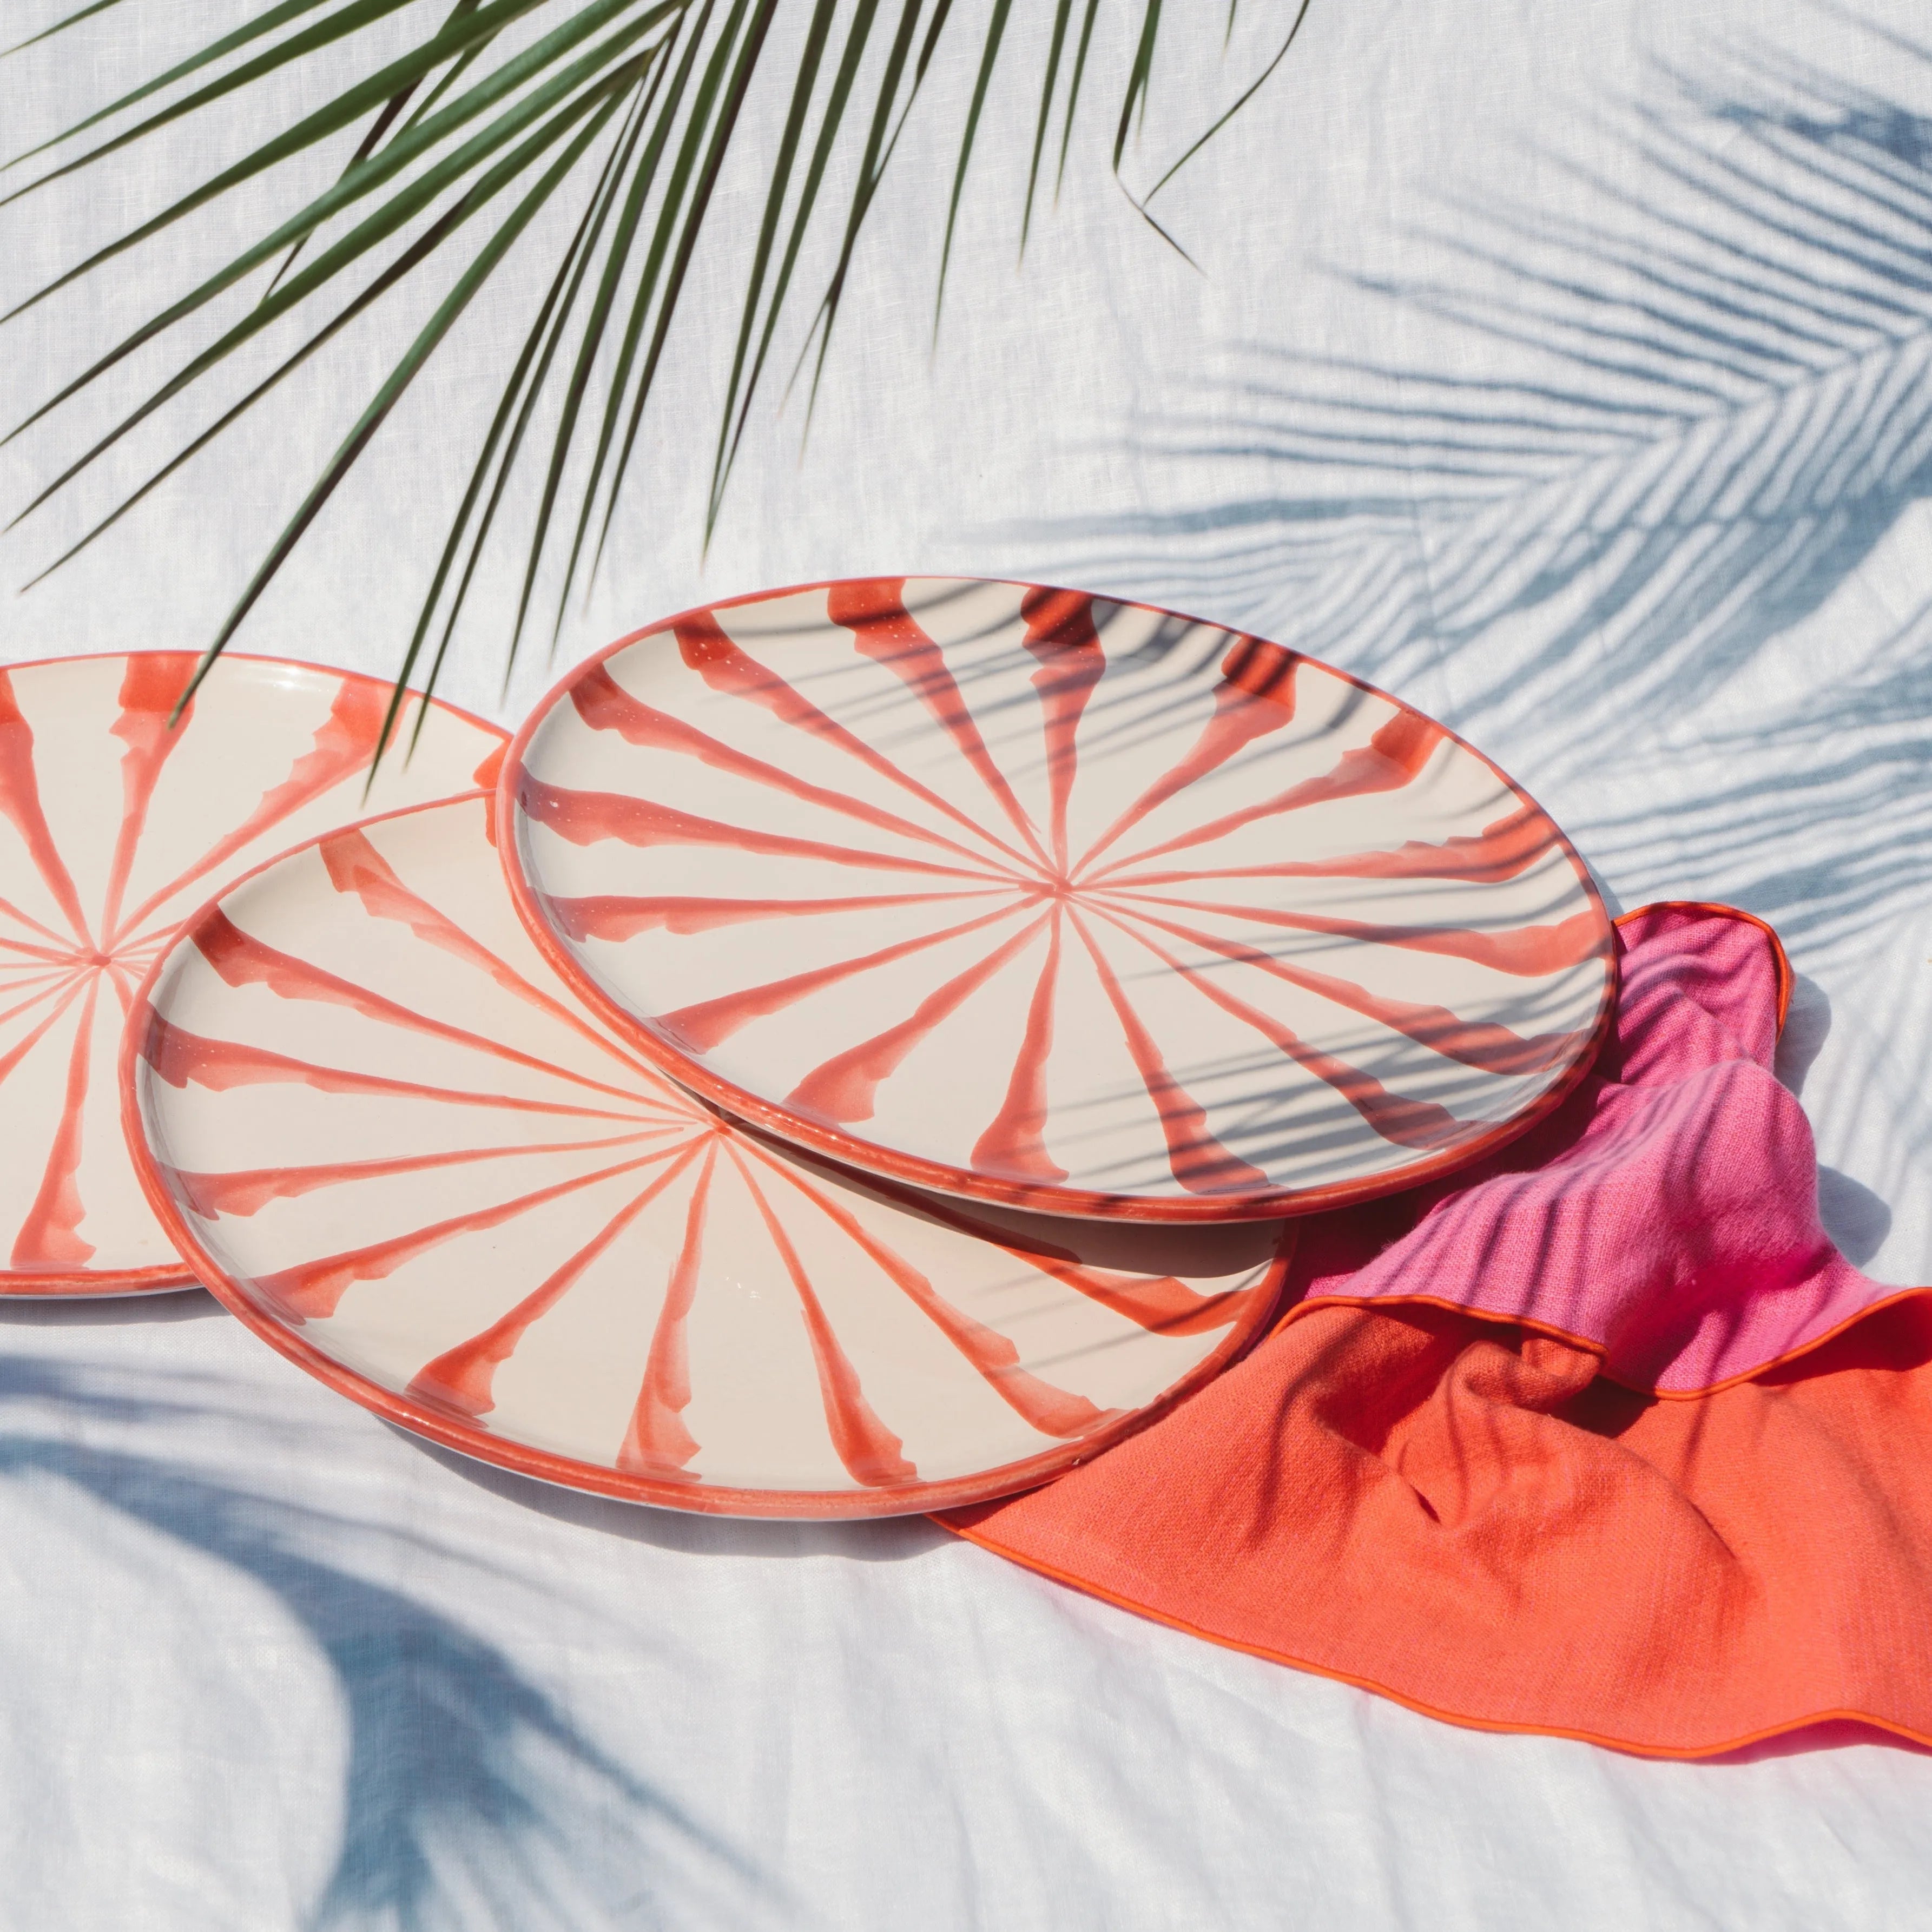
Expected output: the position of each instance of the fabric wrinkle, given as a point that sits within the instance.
(1604, 1439)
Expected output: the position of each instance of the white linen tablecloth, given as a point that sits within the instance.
(1566, 369)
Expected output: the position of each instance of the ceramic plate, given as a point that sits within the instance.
(1037, 898)
(112, 827)
(397, 1147)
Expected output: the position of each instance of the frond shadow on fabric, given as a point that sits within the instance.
(1752, 415)
(1722, 407)
(471, 1797)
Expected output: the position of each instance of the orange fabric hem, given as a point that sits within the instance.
(1781, 962)
(1629, 1746)
(1780, 959)
(1385, 1304)
(1519, 1496)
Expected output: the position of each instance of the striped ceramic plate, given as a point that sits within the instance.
(114, 822)
(1039, 898)
(397, 1148)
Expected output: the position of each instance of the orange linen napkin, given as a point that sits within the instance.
(1448, 1475)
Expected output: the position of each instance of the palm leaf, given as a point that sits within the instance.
(1260, 81)
(391, 108)
(996, 28)
(452, 306)
(857, 36)
(265, 22)
(881, 138)
(345, 21)
(1063, 13)
(648, 96)
(1138, 78)
(567, 280)
(61, 26)
(410, 200)
(816, 35)
(744, 54)
(1073, 87)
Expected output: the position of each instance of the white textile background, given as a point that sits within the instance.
(1565, 370)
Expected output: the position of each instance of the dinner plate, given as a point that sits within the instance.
(394, 1143)
(1038, 897)
(113, 825)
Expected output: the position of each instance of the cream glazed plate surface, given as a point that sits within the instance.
(112, 825)
(1038, 899)
(396, 1145)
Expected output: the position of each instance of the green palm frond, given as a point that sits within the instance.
(492, 113)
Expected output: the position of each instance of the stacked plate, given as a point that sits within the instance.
(861, 1051)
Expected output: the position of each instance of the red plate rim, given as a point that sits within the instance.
(168, 1277)
(567, 1471)
(941, 1178)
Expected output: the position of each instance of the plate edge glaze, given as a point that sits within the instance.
(566, 1472)
(176, 1277)
(938, 1177)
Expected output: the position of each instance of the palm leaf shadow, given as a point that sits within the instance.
(1714, 405)
(1841, 838)
(468, 1787)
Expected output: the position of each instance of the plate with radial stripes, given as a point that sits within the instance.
(115, 822)
(396, 1145)
(1039, 897)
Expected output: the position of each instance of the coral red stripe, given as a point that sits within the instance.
(883, 630)
(462, 1378)
(310, 1290)
(1500, 852)
(55, 981)
(149, 687)
(1162, 1305)
(1390, 759)
(355, 866)
(343, 745)
(242, 960)
(699, 1027)
(1483, 1044)
(605, 706)
(8, 909)
(586, 817)
(1052, 1410)
(1060, 633)
(123, 982)
(657, 1443)
(1255, 697)
(616, 916)
(1197, 1160)
(872, 1453)
(20, 803)
(241, 1192)
(485, 775)
(1405, 1123)
(16, 973)
(1014, 1143)
(726, 668)
(844, 1088)
(61, 955)
(1529, 952)
(178, 1057)
(50, 1236)
(21, 1048)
